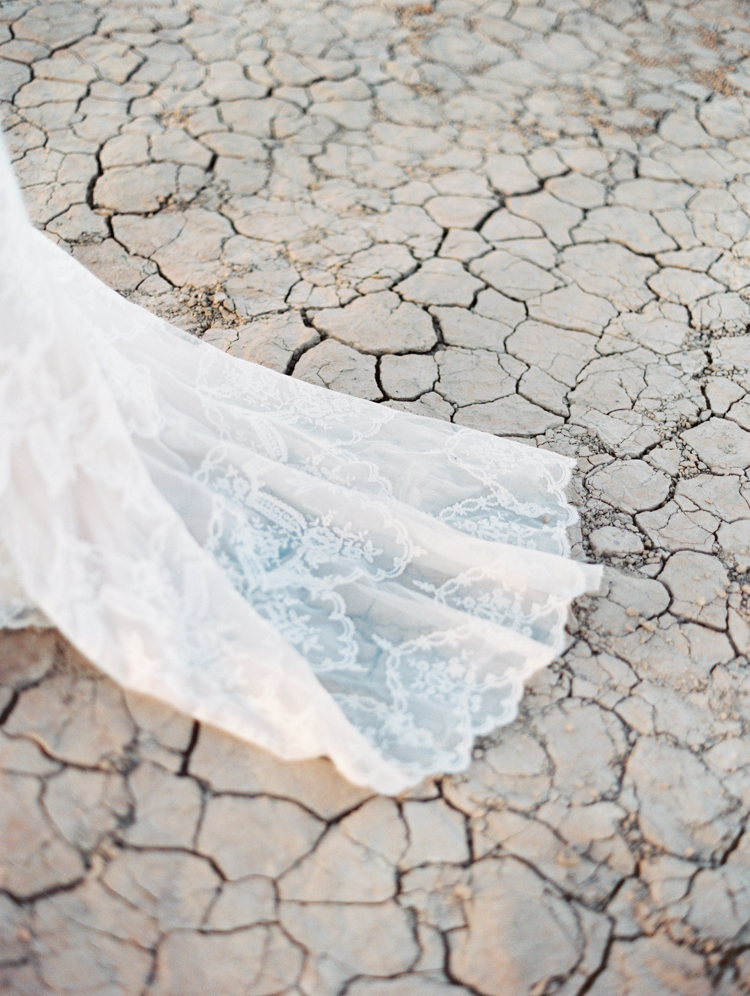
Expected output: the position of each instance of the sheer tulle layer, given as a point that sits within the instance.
(315, 573)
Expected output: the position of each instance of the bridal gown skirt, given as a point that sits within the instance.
(315, 573)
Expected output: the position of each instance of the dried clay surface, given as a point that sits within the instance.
(528, 217)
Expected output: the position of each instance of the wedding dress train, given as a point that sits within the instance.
(315, 573)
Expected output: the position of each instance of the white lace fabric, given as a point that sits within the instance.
(315, 573)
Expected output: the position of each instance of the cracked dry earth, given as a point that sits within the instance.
(529, 218)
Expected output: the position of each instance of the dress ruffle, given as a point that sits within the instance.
(315, 573)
